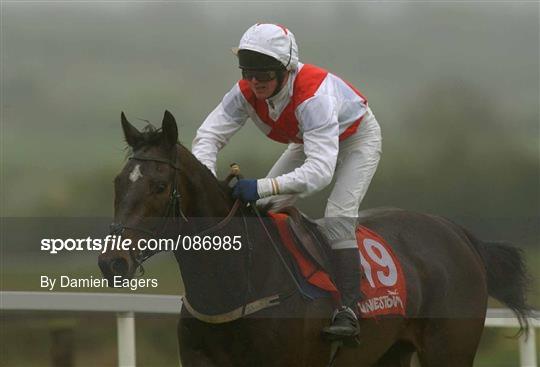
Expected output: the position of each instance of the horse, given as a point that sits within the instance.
(241, 306)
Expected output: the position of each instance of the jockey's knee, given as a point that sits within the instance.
(334, 209)
(340, 231)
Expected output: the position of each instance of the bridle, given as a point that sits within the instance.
(173, 212)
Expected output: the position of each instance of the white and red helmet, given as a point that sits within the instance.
(272, 40)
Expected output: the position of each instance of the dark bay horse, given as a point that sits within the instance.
(243, 309)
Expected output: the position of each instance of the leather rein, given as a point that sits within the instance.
(174, 212)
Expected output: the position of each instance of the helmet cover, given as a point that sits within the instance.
(271, 40)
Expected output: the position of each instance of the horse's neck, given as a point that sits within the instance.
(220, 280)
(203, 192)
(217, 281)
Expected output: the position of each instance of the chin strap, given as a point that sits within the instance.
(279, 78)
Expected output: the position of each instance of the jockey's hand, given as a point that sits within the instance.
(246, 190)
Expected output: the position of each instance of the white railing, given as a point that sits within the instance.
(127, 305)
(124, 305)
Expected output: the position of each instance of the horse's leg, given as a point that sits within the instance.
(190, 351)
(377, 338)
(450, 342)
(193, 358)
(399, 355)
(200, 344)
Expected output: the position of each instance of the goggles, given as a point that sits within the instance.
(259, 75)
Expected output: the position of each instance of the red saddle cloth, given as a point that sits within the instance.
(383, 283)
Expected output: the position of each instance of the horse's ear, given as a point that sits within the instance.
(170, 129)
(131, 134)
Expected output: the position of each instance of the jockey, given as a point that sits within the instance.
(330, 131)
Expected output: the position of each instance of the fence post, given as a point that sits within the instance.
(62, 347)
(527, 348)
(126, 339)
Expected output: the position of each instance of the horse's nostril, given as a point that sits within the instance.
(119, 266)
(104, 266)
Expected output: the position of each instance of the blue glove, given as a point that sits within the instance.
(246, 190)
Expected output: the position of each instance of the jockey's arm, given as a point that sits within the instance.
(318, 121)
(216, 130)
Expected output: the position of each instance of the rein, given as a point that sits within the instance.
(280, 255)
(174, 212)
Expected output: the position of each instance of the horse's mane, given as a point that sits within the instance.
(150, 136)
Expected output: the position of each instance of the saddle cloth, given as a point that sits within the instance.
(383, 283)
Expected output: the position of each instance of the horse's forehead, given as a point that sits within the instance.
(135, 173)
(137, 169)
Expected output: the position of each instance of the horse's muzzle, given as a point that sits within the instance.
(117, 266)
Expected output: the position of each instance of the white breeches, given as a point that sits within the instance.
(357, 162)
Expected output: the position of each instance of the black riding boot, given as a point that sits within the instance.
(347, 273)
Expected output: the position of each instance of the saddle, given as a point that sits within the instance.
(311, 241)
(309, 248)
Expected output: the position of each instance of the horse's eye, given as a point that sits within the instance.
(160, 187)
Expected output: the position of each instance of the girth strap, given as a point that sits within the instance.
(235, 314)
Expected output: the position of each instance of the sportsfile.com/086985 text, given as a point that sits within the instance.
(114, 242)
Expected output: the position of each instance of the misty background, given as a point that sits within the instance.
(454, 86)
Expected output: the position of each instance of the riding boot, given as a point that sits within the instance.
(345, 323)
